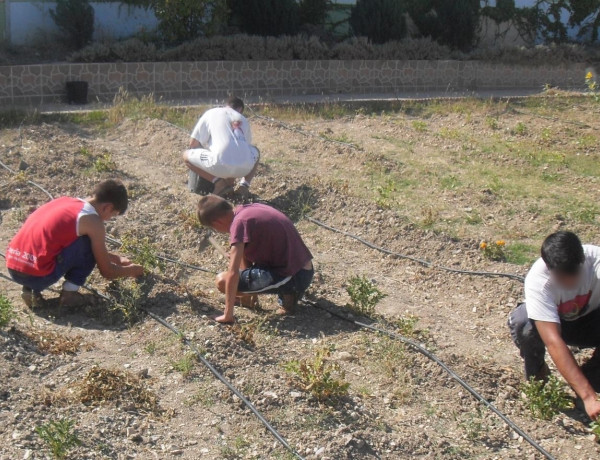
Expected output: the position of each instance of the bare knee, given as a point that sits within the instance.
(220, 282)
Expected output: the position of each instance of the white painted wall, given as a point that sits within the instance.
(28, 21)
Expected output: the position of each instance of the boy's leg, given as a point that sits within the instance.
(528, 341)
(254, 281)
(77, 262)
(199, 185)
(33, 286)
(291, 292)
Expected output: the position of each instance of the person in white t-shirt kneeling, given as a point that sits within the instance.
(562, 308)
(221, 150)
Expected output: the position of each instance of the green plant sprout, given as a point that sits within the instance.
(59, 436)
(364, 295)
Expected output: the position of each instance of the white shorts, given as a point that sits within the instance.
(212, 163)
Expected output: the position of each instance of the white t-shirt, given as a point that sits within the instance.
(214, 131)
(546, 301)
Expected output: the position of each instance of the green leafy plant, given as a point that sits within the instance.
(592, 85)
(59, 436)
(493, 250)
(325, 381)
(6, 310)
(419, 126)
(129, 295)
(143, 252)
(183, 20)
(545, 400)
(385, 194)
(364, 295)
(105, 163)
(75, 19)
(595, 428)
(186, 364)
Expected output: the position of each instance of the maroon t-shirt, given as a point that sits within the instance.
(270, 237)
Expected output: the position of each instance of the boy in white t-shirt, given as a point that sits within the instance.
(221, 149)
(562, 308)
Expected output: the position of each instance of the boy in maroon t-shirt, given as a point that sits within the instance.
(267, 254)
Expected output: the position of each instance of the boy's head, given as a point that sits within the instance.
(236, 104)
(110, 198)
(215, 212)
(563, 254)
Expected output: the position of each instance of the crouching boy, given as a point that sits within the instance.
(65, 238)
(267, 253)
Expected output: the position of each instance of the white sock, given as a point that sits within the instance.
(244, 182)
(70, 287)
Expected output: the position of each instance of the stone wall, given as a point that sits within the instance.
(36, 84)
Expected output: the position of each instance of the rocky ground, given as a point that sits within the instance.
(134, 391)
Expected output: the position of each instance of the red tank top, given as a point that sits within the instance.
(45, 233)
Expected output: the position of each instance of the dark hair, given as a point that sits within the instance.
(114, 192)
(563, 253)
(235, 103)
(212, 207)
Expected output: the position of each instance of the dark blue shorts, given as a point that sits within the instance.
(257, 280)
(75, 263)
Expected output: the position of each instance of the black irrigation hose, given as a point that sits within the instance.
(415, 259)
(167, 259)
(8, 168)
(204, 361)
(421, 349)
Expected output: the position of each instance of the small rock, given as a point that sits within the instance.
(345, 356)
(23, 165)
(177, 452)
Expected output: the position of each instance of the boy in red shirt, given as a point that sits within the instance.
(267, 254)
(65, 237)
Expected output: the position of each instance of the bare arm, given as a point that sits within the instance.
(93, 227)
(232, 279)
(194, 143)
(567, 366)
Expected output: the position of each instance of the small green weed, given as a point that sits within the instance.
(7, 311)
(150, 348)
(59, 436)
(129, 295)
(546, 400)
(520, 129)
(186, 364)
(419, 126)
(364, 295)
(492, 123)
(143, 252)
(590, 82)
(595, 428)
(493, 250)
(385, 194)
(318, 377)
(104, 163)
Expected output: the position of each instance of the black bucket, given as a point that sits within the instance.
(77, 92)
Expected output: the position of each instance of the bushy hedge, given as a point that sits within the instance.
(251, 47)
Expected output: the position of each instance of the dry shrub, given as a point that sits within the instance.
(102, 386)
(53, 342)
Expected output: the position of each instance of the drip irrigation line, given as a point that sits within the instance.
(415, 259)
(421, 349)
(8, 168)
(167, 259)
(225, 382)
(206, 363)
